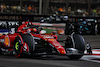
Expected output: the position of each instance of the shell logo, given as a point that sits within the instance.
(52, 40)
(6, 40)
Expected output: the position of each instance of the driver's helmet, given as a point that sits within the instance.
(34, 30)
(25, 23)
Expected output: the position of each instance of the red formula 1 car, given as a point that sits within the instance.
(29, 41)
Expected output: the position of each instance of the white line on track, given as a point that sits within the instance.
(93, 58)
(90, 58)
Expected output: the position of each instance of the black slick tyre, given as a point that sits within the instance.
(17, 46)
(79, 44)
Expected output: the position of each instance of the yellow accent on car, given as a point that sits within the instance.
(45, 39)
(62, 51)
(33, 29)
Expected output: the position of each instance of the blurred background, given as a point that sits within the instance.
(48, 7)
(83, 15)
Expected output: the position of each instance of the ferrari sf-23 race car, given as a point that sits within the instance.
(29, 41)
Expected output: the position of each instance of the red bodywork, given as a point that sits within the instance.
(53, 41)
(8, 40)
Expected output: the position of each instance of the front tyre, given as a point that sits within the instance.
(17, 46)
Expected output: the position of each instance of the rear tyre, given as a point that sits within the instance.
(30, 41)
(79, 42)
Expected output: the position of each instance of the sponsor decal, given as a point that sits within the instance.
(47, 36)
(36, 38)
(2, 40)
(52, 40)
(25, 47)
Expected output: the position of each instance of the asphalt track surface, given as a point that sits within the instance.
(52, 60)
